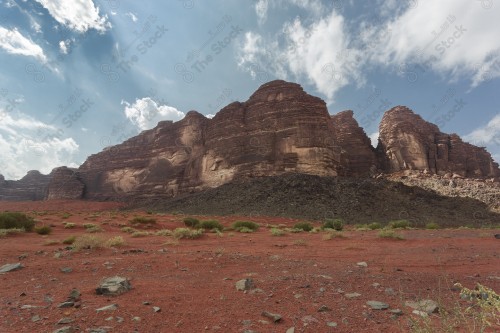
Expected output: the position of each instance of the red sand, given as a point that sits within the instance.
(193, 282)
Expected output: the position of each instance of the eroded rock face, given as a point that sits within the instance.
(408, 142)
(33, 186)
(65, 183)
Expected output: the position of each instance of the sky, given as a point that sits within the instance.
(77, 76)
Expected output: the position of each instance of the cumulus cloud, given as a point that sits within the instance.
(14, 42)
(374, 139)
(486, 135)
(457, 37)
(63, 47)
(317, 52)
(79, 15)
(131, 16)
(145, 113)
(26, 145)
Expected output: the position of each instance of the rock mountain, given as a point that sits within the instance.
(279, 129)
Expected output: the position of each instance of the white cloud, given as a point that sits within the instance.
(486, 135)
(63, 47)
(261, 7)
(317, 52)
(25, 145)
(209, 116)
(79, 15)
(374, 139)
(14, 42)
(314, 7)
(145, 113)
(132, 16)
(457, 37)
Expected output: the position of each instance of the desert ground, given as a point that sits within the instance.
(316, 281)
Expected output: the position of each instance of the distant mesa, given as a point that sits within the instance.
(279, 129)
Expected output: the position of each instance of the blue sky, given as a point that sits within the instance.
(79, 75)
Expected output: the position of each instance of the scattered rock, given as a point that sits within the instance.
(352, 295)
(65, 329)
(74, 295)
(273, 316)
(23, 256)
(425, 305)
(245, 284)
(146, 303)
(111, 307)
(362, 264)
(375, 285)
(98, 330)
(156, 309)
(396, 312)
(10, 267)
(36, 318)
(113, 286)
(324, 308)
(420, 313)
(290, 330)
(331, 324)
(67, 304)
(66, 269)
(390, 291)
(64, 321)
(136, 319)
(309, 319)
(497, 236)
(376, 305)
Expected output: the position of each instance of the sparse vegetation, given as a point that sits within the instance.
(374, 226)
(140, 234)
(180, 233)
(43, 230)
(300, 242)
(191, 222)
(66, 215)
(49, 242)
(129, 230)
(386, 233)
(245, 230)
(68, 225)
(399, 224)
(432, 226)
(211, 224)
(70, 240)
(335, 224)
(87, 242)
(331, 234)
(238, 225)
(14, 220)
(5, 232)
(94, 229)
(277, 232)
(116, 241)
(143, 220)
(164, 232)
(304, 226)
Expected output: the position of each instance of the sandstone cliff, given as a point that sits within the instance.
(33, 186)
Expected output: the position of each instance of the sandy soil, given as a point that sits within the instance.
(193, 281)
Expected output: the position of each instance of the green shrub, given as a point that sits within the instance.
(14, 220)
(164, 232)
(389, 234)
(129, 230)
(191, 222)
(187, 233)
(143, 220)
(331, 234)
(43, 230)
(245, 230)
(87, 242)
(5, 232)
(66, 215)
(93, 229)
(375, 226)
(399, 224)
(140, 234)
(211, 224)
(245, 224)
(335, 224)
(115, 242)
(68, 225)
(89, 225)
(277, 232)
(70, 240)
(432, 225)
(305, 226)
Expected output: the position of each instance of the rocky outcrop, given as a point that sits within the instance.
(408, 142)
(33, 186)
(356, 146)
(65, 183)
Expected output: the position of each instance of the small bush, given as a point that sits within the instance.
(211, 224)
(94, 229)
(335, 224)
(43, 230)
(180, 233)
(140, 234)
(375, 226)
(432, 225)
(70, 240)
(68, 225)
(305, 226)
(51, 242)
(300, 242)
(245, 224)
(143, 220)
(399, 224)
(66, 215)
(13, 220)
(191, 222)
(389, 234)
(87, 242)
(89, 225)
(331, 234)
(245, 230)
(115, 241)
(164, 232)
(277, 232)
(128, 230)
(5, 232)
